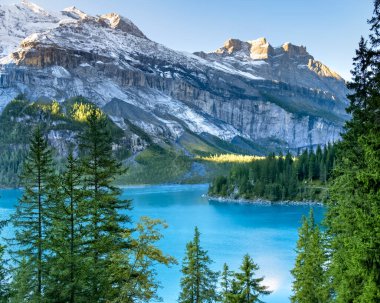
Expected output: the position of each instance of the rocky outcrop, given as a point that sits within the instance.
(116, 21)
(270, 95)
(288, 63)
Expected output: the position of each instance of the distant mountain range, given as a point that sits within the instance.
(246, 96)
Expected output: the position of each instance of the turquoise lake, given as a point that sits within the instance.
(228, 231)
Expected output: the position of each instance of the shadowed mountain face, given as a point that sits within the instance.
(277, 97)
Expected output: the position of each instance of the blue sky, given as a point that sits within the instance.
(330, 29)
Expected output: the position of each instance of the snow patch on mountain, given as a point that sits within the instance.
(74, 13)
(34, 7)
(18, 21)
(70, 53)
(60, 72)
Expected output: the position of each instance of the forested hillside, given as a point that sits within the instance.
(61, 122)
(278, 178)
(342, 264)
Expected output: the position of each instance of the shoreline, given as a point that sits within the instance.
(261, 201)
(126, 185)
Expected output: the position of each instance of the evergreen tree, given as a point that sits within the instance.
(134, 277)
(354, 208)
(66, 261)
(198, 283)
(312, 165)
(106, 212)
(309, 284)
(22, 283)
(4, 283)
(248, 289)
(30, 219)
(226, 284)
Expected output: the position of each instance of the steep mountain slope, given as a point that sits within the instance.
(279, 98)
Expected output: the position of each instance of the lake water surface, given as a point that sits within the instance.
(228, 231)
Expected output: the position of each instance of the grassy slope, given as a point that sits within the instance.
(156, 165)
(175, 163)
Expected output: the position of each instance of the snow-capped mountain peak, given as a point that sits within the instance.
(17, 21)
(118, 22)
(34, 7)
(74, 13)
(247, 89)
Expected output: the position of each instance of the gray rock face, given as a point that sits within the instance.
(276, 96)
(288, 63)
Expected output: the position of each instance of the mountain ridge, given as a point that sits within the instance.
(277, 95)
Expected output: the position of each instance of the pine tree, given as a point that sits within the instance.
(353, 212)
(66, 261)
(134, 277)
(312, 166)
(309, 284)
(248, 289)
(198, 283)
(30, 220)
(22, 283)
(226, 284)
(4, 283)
(106, 212)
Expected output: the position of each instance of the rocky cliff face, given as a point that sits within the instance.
(288, 63)
(273, 96)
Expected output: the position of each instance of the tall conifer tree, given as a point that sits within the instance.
(66, 261)
(22, 285)
(4, 282)
(226, 283)
(354, 208)
(107, 217)
(198, 284)
(248, 288)
(133, 274)
(30, 219)
(310, 280)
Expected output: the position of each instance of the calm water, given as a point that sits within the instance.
(228, 231)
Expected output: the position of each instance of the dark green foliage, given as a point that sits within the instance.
(20, 116)
(66, 244)
(106, 212)
(351, 272)
(226, 284)
(279, 178)
(74, 241)
(353, 216)
(249, 288)
(198, 283)
(11, 159)
(22, 283)
(134, 277)
(243, 286)
(4, 276)
(310, 279)
(30, 219)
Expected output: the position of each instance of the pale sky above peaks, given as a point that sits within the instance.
(330, 29)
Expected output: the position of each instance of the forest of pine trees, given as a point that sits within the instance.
(74, 240)
(21, 115)
(340, 263)
(278, 178)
